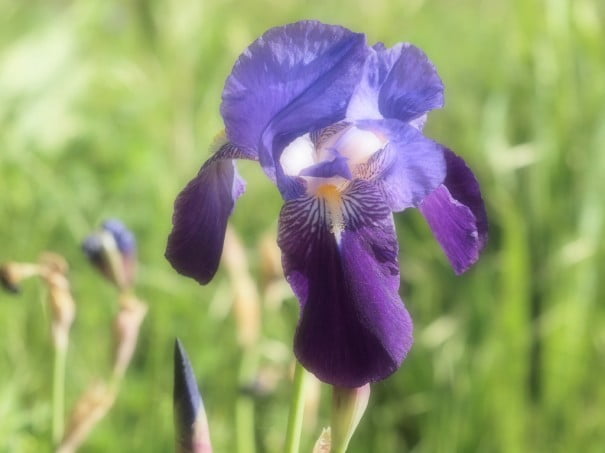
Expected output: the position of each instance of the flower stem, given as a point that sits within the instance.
(244, 421)
(58, 393)
(295, 417)
(244, 406)
(341, 449)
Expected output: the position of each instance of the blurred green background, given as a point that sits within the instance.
(107, 109)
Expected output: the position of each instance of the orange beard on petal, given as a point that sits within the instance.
(333, 199)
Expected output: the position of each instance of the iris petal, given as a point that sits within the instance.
(200, 215)
(400, 82)
(354, 327)
(456, 214)
(336, 167)
(292, 80)
(408, 168)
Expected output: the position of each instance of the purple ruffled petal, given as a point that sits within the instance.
(400, 82)
(291, 80)
(456, 214)
(354, 328)
(408, 168)
(200, 215)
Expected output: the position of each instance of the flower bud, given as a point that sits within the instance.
(112, 250)
(12, 274)
(348, 406)
(190, 421)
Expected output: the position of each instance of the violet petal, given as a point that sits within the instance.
(400, 83)
(336, 167)
(354, 327)
(200, 216)
(291, 80)
(456, 214)
(408, 168)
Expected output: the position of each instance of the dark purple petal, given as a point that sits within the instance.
(344, 269)
(200, 216)
(292, 80)
(408, 168)
(336, 167)
(400, 82)
(456, 214)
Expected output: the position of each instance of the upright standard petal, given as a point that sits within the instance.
(200, 215)
(408, 168)
(456, 214)
(292, 80)
(340, 255)
(401, 83)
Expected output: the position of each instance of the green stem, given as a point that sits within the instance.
(244, 406)
(297, 406)
(58, 393)
(244, 422)
(341, 449)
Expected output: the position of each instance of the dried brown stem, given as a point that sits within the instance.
(98, 400)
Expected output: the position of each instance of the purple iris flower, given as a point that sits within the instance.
(337, 125)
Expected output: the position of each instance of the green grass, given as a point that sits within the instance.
(107, 109)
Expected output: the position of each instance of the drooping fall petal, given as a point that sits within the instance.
(340, 256)
(200, 215)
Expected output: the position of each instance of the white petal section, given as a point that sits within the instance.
(298, 155)
(359, 145)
